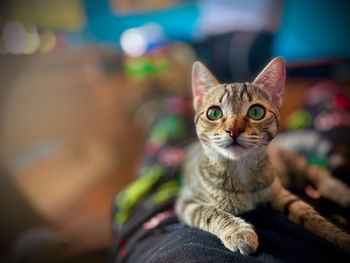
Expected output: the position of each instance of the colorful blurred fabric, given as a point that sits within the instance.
(320, 131)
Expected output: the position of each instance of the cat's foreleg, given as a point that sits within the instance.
(303, 214)
(234, 232)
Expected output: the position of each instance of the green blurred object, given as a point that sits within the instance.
(173, 125)
(167, 127)
(165, 191)
(317, 159)
(132, 195)
(299, 119)
(145, 65)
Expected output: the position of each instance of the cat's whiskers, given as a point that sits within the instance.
(253, 141)
(253, 137)
(214, 138)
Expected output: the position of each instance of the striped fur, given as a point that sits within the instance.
(222, 179)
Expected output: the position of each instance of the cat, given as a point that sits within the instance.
(229, 171)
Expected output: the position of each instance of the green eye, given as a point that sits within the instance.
(214, 113)
(256, 112)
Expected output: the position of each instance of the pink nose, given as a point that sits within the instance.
(234, 132)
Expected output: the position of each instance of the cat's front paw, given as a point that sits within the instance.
(244, 240)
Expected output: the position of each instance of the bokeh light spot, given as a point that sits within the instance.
(133, 43)
(15, 36)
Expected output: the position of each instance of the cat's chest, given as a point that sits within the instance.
(243, 201)
(238, 181)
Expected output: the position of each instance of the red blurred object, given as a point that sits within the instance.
(341, 101)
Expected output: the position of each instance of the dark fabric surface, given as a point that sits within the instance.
(280, 241)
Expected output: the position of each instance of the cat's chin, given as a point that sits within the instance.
(234, 152)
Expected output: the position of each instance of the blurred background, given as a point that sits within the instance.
(81, 81)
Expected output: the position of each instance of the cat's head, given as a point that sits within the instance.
(236, 119)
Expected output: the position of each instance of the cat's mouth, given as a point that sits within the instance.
(235, 144)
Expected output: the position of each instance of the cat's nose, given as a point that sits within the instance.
(234, 132)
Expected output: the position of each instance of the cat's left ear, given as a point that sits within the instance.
(273, 78)
(202, 81)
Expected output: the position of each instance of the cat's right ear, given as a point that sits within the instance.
(272, 78)
(202, 80)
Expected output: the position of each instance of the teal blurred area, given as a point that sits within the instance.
(313, 29)
(178, 21)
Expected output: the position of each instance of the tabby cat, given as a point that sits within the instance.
(229, 171)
